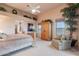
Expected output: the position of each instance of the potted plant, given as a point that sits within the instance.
(70, 15)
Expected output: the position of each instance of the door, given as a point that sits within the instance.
(45, 31)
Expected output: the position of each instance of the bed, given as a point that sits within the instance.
(14, 42)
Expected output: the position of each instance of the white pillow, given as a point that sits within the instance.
(3, 35)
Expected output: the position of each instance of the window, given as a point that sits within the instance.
(60, 25)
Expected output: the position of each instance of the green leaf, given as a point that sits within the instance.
(71, 22)
(73, 29)
(70, 13)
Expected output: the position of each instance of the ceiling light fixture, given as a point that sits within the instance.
(34, 8)
(33, 11)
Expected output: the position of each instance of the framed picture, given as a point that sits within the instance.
(30, 27)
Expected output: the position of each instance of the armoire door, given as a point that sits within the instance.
(45, 31)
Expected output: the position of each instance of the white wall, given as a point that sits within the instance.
(53, 14)
(8, 22)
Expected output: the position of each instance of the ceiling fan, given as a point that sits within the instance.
(34, 8)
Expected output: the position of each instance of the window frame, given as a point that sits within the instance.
(60, 28)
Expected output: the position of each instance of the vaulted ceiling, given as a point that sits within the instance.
(43, 6)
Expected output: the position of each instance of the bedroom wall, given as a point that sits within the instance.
(8, 22)
(5, 24)
(53, 14)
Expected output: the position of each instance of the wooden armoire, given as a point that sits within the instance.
(46, 30)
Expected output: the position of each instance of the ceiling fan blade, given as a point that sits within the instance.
(38, 6)
(37, 11)
(33, 8)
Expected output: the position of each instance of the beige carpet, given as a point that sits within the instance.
(42, 48)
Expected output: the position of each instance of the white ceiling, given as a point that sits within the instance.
(43, 6)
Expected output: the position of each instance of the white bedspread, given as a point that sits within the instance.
(14, 42)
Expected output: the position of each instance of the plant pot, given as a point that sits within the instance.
(73, 43)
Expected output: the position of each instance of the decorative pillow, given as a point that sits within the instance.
(3, 35)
